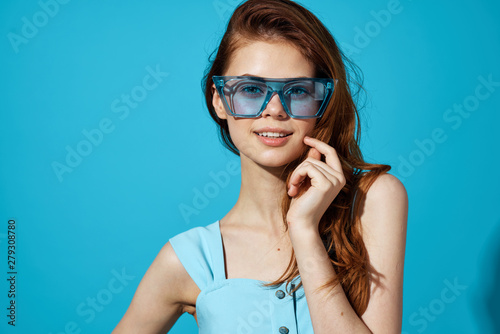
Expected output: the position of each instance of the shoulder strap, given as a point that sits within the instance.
(200, 252)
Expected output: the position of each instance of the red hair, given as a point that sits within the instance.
(340, 228)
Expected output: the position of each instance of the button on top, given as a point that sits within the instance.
(280, 294)
(283, 330)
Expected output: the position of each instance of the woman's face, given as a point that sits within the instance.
(268, 60)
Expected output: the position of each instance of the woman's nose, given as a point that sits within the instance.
(274, 108)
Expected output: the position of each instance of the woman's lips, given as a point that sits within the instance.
(273, 138)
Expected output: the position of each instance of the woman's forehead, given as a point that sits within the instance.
(272, 59)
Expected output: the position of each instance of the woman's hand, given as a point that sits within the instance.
(314, 185)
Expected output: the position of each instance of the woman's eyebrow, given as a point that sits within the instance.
(250, 75)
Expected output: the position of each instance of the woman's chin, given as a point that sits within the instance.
(276, 161)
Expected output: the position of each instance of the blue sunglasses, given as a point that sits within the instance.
(246, 96)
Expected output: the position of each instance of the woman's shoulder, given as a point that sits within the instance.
(387, 186)
(164, 293)
(198, 250)
(386, 198)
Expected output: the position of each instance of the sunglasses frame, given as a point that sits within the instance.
(275, 88)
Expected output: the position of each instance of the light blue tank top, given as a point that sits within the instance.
(236, 305)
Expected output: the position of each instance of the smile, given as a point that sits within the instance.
(273, 134)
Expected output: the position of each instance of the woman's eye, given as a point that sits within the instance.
(297, 92)
(251, 90)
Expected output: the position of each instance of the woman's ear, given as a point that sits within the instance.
(217, 103)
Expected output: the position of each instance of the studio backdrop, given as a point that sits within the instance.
(107, 150)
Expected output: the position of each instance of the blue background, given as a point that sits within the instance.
(110, 215)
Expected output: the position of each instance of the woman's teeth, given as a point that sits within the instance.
(272, 134)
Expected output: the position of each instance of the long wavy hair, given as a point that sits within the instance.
(340, 228)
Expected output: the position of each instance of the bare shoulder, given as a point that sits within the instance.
(387, 187)
(386, 196)
(164, 293)
(169, 275)
(168, 261)
(168, 265)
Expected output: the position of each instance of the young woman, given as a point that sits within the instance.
(316, 240)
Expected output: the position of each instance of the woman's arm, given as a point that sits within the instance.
(383, 218)
(160, 298)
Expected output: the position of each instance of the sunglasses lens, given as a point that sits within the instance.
(247, 96)
(304, 98)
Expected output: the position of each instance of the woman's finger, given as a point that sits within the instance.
(331, 157)
(328, 169)
(314, 154)
(320, 178)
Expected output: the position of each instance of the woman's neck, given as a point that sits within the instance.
(261, 194)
